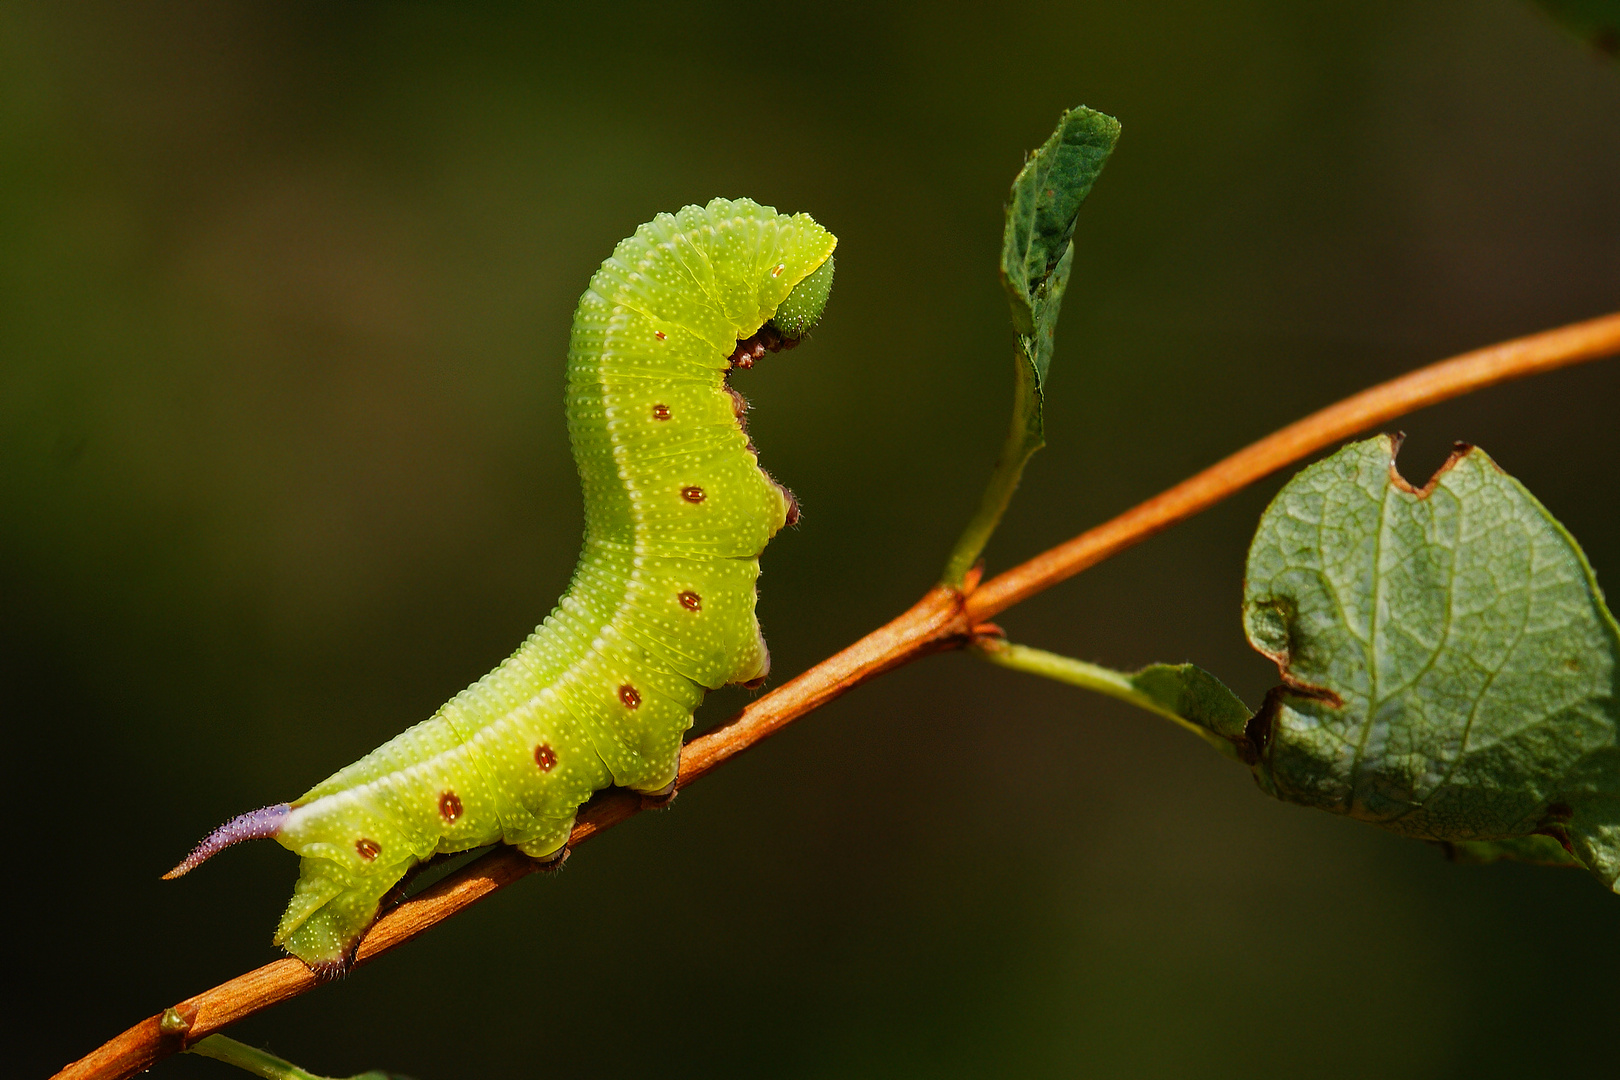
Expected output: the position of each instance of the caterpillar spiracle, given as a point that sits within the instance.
(660, 608)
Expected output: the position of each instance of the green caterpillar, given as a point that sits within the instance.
(660, 608)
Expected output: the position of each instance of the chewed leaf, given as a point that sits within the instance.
(1449, 665)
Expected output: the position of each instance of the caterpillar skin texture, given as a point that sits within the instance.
(660, 608)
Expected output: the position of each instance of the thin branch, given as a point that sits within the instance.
(1546, 351)
(943, 619)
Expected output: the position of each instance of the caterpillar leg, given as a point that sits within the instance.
(657, 800)
(517, 780)
(353, 853)
(547, 852)
(330, 911)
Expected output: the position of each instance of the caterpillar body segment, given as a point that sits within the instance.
(661, 605)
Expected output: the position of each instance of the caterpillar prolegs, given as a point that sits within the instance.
(661, 605)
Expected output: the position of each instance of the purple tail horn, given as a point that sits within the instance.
(255, 825)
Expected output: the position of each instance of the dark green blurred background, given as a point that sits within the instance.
(284, 301)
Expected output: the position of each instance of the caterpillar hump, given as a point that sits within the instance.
(661, 605)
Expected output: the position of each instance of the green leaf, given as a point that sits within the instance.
(1037, 250)
(1449, 666)
(1042, 208)
(1185, 693)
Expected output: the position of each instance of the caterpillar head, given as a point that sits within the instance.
(802, 309)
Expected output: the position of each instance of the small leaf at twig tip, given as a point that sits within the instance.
(1042, 208)
(1450, 670)
(1037, 241)
(1037, 250)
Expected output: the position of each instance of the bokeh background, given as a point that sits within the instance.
(284, 298)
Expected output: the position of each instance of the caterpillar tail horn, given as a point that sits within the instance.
(258, 824)
(331, 908)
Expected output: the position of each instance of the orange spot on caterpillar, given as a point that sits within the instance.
(630, 696)
(660, 412)
(691, 601)
(545, 757)
(659, 334)
(693, 494)
(367, 848)
(776, 271)
(449, 806)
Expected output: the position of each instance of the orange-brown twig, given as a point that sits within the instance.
(1546, 351)
(943, 619)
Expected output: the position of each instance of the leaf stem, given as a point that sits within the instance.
(1050, 665)
(945, 618)
(249, 1059)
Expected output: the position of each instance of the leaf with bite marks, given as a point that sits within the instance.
(1449, 666)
